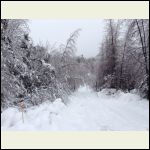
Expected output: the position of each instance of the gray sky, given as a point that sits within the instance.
(58, 31)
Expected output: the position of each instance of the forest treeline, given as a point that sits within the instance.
(124, 56)
(37, 73)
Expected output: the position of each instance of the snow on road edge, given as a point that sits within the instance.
(87, 110)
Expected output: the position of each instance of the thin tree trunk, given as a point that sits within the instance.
(144, 52)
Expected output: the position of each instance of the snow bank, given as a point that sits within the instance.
(119, 95)
(35, 118)
(108, 110)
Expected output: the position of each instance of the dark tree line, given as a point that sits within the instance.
(124, 56)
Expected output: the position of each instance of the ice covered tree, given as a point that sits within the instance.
(12, 34)
(107, 73)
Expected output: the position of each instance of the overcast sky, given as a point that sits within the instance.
(58, 31)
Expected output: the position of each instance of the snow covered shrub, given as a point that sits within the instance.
(25, 69)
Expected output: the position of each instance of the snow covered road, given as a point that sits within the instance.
(86, 111)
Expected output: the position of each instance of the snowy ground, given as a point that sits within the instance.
(86, 111)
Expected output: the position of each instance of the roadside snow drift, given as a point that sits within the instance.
(86, 111)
